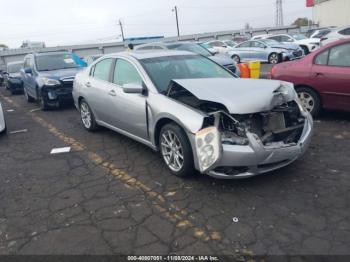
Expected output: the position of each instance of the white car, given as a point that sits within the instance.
(218, 46)
(307, 44)
(2, 121)
(337, 34)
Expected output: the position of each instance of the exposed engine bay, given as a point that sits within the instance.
(281, 126)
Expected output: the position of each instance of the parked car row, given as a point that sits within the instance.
(192, 109)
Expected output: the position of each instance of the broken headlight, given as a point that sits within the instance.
(208, 147)
(50, 81)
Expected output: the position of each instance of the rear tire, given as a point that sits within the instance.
(176, 151)
(310, 100)
(87, 116)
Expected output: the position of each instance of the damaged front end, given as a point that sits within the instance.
(241, 145)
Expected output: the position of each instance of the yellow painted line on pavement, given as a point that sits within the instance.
(169, 211)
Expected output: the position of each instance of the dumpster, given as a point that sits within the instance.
(254, 67)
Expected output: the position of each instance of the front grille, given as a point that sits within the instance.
(298, 53)
(232, 68)
(67, 84)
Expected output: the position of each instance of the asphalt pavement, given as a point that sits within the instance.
(112, 195)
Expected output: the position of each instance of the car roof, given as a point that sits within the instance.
(145, 54)
(51, 53)
(165, 44)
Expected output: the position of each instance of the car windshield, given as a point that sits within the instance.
(270, 42)
(163, 69)
(14, 68)
(299, 37)
(194, 48)
(230, 43)
(57, 61)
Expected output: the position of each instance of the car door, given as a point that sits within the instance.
(127, 110)
(31, 78)
(258, 51)
(330, 74)
(243, 50)
(97, 86)
(26, 77)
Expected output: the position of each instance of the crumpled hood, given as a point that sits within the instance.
(62, 73)
(241, 96)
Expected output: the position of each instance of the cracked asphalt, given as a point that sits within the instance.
(112, 195)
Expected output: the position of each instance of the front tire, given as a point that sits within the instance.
(87, 116)
(42, 100)
(274, 58)
(176, 150)
(305, 49)
(27, 96)
(310, 100)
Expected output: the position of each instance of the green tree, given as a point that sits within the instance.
(302, 21)
(2, 46)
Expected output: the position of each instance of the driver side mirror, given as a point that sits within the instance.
(133, 88)
(28, 70)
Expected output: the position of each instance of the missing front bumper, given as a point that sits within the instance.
(254, 159)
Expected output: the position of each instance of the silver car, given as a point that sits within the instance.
(265, 50)
(2, 121)
(196, 113)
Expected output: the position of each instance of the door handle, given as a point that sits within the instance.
(88, 84)
(319, 74)
(112, 93)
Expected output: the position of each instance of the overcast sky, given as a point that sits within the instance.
(63, 22)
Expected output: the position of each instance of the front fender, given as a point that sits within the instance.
(162, 107)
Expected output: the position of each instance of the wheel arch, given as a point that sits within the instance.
(298, 86)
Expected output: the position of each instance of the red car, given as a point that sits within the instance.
(322, 78)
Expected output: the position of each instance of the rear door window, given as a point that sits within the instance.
(322, 59)
(102, 69)
(243, 45)
(340, 55)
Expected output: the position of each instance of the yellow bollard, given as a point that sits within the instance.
(254, 67)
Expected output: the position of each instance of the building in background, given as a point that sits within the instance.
(330, 12)
(30, 44)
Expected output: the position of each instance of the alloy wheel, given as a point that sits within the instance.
(307, 101)
(273, 59)
(172, 151)
(85, 115)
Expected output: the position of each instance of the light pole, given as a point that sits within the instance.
(177, 21)
(121, 29)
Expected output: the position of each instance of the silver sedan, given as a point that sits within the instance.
(196, 113)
